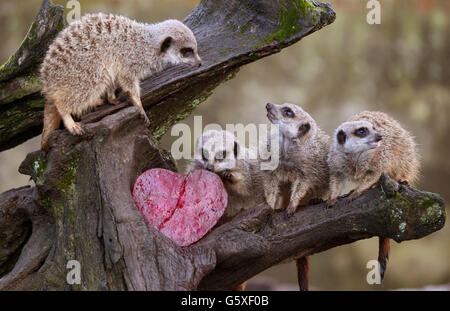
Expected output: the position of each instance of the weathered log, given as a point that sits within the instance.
(230, 34)
(83, 192)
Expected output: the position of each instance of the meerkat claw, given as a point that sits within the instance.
(331, 203)
(290, 210)
(146, 119)
(76, 129)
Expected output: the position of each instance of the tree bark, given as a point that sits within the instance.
(82, 209)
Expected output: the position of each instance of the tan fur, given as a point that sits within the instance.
(100, 53)
(360, 167)
(240, 174)
(357, 163)
(303, 167)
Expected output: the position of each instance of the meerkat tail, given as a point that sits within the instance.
(241, 287)
(303, 273)
(52, 120)
(383, 255)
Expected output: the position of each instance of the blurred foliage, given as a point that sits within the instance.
(400, 66)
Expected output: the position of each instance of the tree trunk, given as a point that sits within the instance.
(82, 209)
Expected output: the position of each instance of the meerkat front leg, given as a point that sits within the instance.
(299, 190)
(271, 190)
(73, 127)
(132, 87)
(335, 191)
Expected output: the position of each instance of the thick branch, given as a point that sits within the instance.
(259, 239)
(230, 34)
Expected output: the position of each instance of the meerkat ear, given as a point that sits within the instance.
(236, 149)
(165, 45)
(341, 137)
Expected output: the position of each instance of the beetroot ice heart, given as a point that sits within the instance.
(183, 209)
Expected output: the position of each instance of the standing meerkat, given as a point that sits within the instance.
(303, 167)
(237, 166)
(368, 145)
(100, 53)
(303, 157)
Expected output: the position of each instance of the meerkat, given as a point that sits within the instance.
(237, 166)
(367, 145)
(100, 53)
(303, 167)
(303, 157)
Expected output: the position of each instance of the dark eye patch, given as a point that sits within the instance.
(303, 129)
(187, 52)
(205, 155)
(341, 137)
(166, 44)
(235, 150)
(361, 132)
(288, 113)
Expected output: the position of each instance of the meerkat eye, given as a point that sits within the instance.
(205, 155)
(221, 155)
(303, 129)
(288, 113)
(187, 52)
(361, 132)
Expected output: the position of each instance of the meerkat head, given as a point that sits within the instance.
(217, 151)
(356, 137)
(292, 120)
(177, 44)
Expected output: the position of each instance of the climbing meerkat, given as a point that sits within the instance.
(303, 157)
(100, 53)
(368, 145)
(237, 166)
(303, 167)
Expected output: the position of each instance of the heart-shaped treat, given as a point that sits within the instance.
(183, 209)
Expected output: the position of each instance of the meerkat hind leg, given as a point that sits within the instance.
(271, 191)
(299, 189)
(133, 89)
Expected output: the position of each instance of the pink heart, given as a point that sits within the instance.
(183, 209)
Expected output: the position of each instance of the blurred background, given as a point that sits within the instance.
(400, 67)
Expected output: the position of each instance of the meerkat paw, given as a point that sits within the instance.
(290, 210)
(331, 202)
(146, 119)
(76, 129)
(271, 202)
